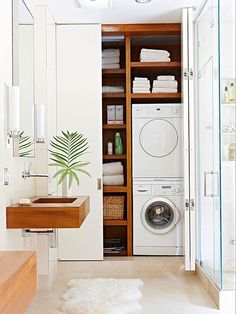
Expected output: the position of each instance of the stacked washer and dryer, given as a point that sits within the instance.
(158, 211)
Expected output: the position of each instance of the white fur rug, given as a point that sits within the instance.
(102, 296)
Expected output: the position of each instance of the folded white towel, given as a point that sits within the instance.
(165, 77)
(164, 90)
(110, 60)
(113, 180)
(111, 53)
(141, 86)
(141, 90)
(112, 168)
(167, 84)
(113, 89)
(140, 78)
(111, 66)
(146, 51)
(141, 83)
(153, 59)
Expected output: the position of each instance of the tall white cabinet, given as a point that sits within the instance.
(79, 108)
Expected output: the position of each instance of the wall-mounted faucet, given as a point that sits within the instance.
(28, 174)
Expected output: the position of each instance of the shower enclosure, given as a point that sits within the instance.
(214, 31)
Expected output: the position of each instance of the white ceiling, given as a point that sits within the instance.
(122, 11)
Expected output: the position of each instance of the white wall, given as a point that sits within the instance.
(9, 239)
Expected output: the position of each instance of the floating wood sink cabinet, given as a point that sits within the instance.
(49, 212)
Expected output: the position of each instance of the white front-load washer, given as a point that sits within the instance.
(158, 217)
(157, 141)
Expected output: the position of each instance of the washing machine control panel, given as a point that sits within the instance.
(167, 189)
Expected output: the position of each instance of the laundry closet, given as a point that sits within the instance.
(127, 82)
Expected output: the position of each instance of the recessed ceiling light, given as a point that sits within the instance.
(143, 1)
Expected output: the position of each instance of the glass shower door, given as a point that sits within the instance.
(207, 141)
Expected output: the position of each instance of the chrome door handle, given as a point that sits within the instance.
(206, 175)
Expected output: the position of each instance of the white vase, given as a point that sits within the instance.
(66, 191)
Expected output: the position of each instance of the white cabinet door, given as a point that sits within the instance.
(79, 108)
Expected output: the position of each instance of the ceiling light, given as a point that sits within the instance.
(93, 4)
(143, 1)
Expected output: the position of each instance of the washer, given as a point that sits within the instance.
(158, 217)
(157, 140)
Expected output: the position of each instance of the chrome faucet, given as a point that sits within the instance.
(28, 174)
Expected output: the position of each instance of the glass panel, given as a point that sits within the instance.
(159, 215)
(228, 140)
(208, 171)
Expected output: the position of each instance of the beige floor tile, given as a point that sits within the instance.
(167, 289)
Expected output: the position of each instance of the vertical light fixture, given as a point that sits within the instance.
(13, 111)
(40, 123)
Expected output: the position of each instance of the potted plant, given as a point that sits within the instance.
(66, 151)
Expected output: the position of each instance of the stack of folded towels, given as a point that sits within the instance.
(113, 173)
(111, 59)
(165, 84)
(154, 55)
(141, 85)
(113, 89)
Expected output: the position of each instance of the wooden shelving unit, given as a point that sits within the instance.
(136, 36)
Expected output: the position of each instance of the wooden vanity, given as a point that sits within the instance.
(18, 281)
(49, 212)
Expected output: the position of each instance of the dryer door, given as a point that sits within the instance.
(159, 215)
(158, 138)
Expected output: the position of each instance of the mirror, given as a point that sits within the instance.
(23, 76)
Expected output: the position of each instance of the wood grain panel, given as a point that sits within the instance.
(44, 215)
(18, 281)
(142, 29)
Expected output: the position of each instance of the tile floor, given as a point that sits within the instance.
(167, 289)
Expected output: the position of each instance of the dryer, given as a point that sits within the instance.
(157, 141)
(158, 218)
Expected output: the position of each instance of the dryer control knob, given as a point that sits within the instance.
(177, 190)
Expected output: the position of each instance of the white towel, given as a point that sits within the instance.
(112, 168)
(164, 90)
(167, 84)
(113, 180)
(111, 53)
(113, 89)
(146, 51)
(165, 77)
(141, 83)
(153, 59)
(111, 66)
(140, 78)
(141, 87)
(141, 91)
(110, 60)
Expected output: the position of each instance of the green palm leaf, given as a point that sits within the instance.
(25, 145)
(65, 149)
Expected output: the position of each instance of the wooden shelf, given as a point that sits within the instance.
(115, 222)
(111, 157)
(173, 96)
(113, 126)
(113, 95)
(121, 253)
(114, 72)
(155, 65)
(114, 189)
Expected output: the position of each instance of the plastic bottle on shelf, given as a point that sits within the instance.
(118, 144)
(110, 147)
(226, 95)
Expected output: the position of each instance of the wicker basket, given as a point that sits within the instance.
(113, 207)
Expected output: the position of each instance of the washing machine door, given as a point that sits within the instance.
(159, 215)
(158, 138)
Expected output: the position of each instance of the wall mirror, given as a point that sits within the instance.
(23, 76)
